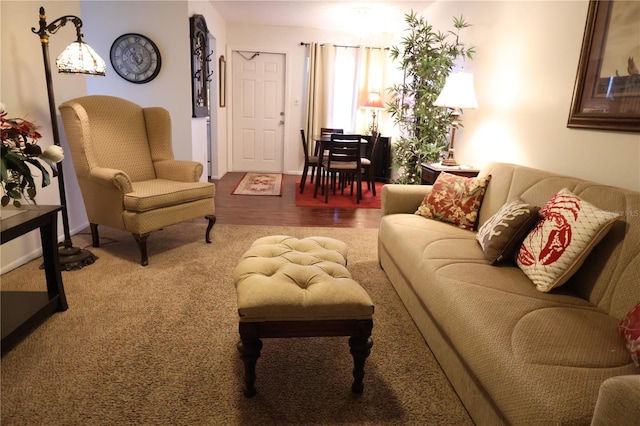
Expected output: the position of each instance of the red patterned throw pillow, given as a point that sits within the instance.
(455, 199)
(560, 242)
(629, 328)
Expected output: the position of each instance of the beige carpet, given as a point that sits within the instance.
(156, 345)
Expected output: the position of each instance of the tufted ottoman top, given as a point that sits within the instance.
(281, 278)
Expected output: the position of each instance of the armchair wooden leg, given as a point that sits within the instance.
(212, 221)
(95, 237)
(141, 239)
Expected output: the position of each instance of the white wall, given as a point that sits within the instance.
(166, 23)
(524, 69)
(23, 90)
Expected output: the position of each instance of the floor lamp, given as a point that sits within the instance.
(77, 58)
(457, 93)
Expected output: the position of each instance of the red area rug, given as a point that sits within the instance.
(339, 201)
(259, 184)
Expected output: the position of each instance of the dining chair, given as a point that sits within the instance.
(310, 162)
(342, 161)
(369, 162)
(326, 132)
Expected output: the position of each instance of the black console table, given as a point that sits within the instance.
(23, 311)
(382, 169)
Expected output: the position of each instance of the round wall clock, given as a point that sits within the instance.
(135, 58)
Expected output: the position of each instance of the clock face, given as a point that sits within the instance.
(135, 58)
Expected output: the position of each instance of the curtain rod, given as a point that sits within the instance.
(302, 43)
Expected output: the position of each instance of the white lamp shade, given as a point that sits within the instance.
(458, 92)
(80, 58)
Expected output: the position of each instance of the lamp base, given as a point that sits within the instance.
(74, 258)
(450, 161)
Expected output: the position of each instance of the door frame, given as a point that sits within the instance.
(287, 109)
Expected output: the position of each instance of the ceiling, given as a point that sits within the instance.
(384, 16)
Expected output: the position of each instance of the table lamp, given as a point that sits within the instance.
(457, 94)
(77, 58)
(373, 103)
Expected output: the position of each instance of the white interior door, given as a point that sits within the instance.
(258, 111)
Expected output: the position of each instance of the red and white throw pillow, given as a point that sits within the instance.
(455, 199)
(629, 328)
(560, 242)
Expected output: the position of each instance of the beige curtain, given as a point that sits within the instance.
(319, 93)
(374, 76)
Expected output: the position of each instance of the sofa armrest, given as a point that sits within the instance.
(111, 178)
(618, 401)
(180, 170)
(397, 198)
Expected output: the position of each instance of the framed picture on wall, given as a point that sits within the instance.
(607, 89)
(222, 81)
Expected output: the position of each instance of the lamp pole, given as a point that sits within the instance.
(71, 258)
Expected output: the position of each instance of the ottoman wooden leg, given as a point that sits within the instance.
(249, 347)
(360, 344)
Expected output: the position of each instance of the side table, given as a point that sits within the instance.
(382, 162)
(430, 172)
(23, 311)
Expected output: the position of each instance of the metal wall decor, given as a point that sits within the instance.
(200, 58)
(607, 89)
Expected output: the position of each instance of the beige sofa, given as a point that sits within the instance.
(513, 354)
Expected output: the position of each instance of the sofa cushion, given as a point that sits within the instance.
(500, 236)
(529, 351)
(587, 338)
(560, 242)
(629, 329)
(455, 199)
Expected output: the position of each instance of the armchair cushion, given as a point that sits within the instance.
(158, 193)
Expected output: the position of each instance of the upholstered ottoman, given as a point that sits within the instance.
(289, 287)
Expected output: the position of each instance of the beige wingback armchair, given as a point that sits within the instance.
(128, 176)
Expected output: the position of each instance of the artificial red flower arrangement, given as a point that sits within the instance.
(19, 149)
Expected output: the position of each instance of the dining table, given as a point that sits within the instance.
(323, 143)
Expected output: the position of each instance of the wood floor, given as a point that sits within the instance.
(282, 211)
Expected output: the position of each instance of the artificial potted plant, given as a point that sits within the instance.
(427, 57)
